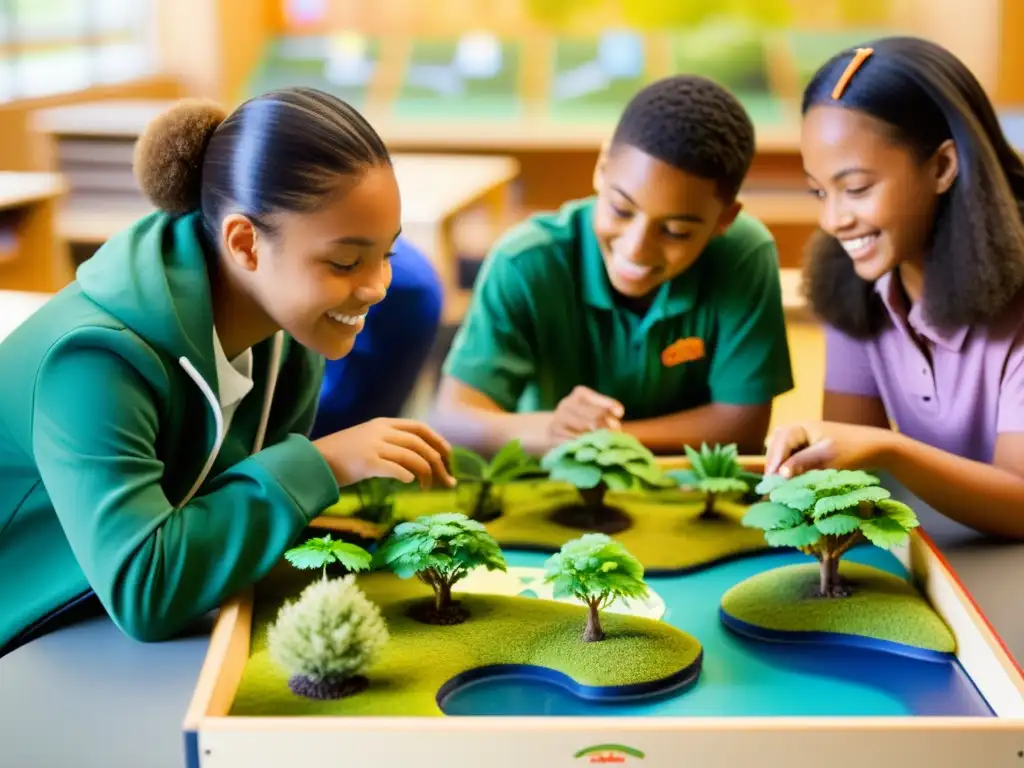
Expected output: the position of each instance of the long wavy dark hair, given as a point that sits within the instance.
(975, 261)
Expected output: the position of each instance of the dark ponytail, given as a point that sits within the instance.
(283, 151)
(975, 264)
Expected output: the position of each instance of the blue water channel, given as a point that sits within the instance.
(743, 677)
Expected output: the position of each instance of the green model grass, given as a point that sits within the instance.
(882, 606)
(420, 658)
(668, 534)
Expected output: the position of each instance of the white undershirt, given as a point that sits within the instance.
(234, 378)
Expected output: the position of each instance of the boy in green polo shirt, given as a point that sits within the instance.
(654, 307)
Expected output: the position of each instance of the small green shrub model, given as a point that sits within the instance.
(596, 463)
(715, 472)
(376, 500)
(439, 550)
(824, 512)
(322, 552)
(327, 638)
(478, 492)
(595, 570)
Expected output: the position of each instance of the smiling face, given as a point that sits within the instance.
(652, 220)
(878, 198)
(319, 273)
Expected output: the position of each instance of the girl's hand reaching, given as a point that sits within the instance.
(793, 449)
(402, 449)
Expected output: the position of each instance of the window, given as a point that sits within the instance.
(55, 46)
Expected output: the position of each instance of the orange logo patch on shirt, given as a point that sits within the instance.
(682, 351)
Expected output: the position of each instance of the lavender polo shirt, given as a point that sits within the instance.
(967, 389)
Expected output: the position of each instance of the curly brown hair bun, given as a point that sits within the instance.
(168, 156)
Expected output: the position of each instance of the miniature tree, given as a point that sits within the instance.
(327, 639)
(478, 478)
(596, 570)
(825, 512)
(439, 550)
(376, 500)
(596, 463)
(321, 552)
(715, 472)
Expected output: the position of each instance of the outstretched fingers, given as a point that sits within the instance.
(820, 455)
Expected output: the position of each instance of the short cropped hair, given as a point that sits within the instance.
(693, 124)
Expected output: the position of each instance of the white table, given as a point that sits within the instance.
(16, 307)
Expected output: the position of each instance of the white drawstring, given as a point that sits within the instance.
(268, 395)
(218, 416)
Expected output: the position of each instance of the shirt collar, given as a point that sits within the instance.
(675, 297)
(234, 378)
(895, 304)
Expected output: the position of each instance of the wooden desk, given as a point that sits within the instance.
(32, 257)
(790, 215)
(438, 191)
(556, 158)
(104, 119)
(775, 192)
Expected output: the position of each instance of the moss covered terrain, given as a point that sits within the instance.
(666, 534)
(884, 611)
(420, 661)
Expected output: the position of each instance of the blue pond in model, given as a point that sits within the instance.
(744, 677)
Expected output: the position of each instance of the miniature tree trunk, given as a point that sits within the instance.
(829, 552)
(709, 506)
(442, 610)
(486, 507)
(442, 596)
(594, 514)
(482, 495)
(593, 498)
(593, 632)
(827, 575)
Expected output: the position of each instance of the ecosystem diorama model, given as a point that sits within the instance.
(600, 580)
(399, 599)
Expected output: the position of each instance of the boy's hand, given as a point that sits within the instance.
(403, 449)
(584, 410)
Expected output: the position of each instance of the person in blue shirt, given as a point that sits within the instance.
(376, 378)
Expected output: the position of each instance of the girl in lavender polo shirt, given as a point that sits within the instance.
(917, 275)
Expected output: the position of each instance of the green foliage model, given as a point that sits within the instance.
(715, 471)
(595, 570)
(376, 499)
(600, 461)
(440, 550)
(327, 638)
(322, 552)
(477, 477)
(824, 512)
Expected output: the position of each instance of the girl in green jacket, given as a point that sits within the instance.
(154, 413)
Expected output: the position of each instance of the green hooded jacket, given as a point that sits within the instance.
(114, 479)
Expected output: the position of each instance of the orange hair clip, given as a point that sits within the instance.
(859, 58)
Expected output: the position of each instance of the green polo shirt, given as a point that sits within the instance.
(543, 319)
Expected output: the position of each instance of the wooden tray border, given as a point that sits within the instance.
(212, 738)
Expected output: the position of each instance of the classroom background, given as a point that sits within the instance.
(493, 109)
